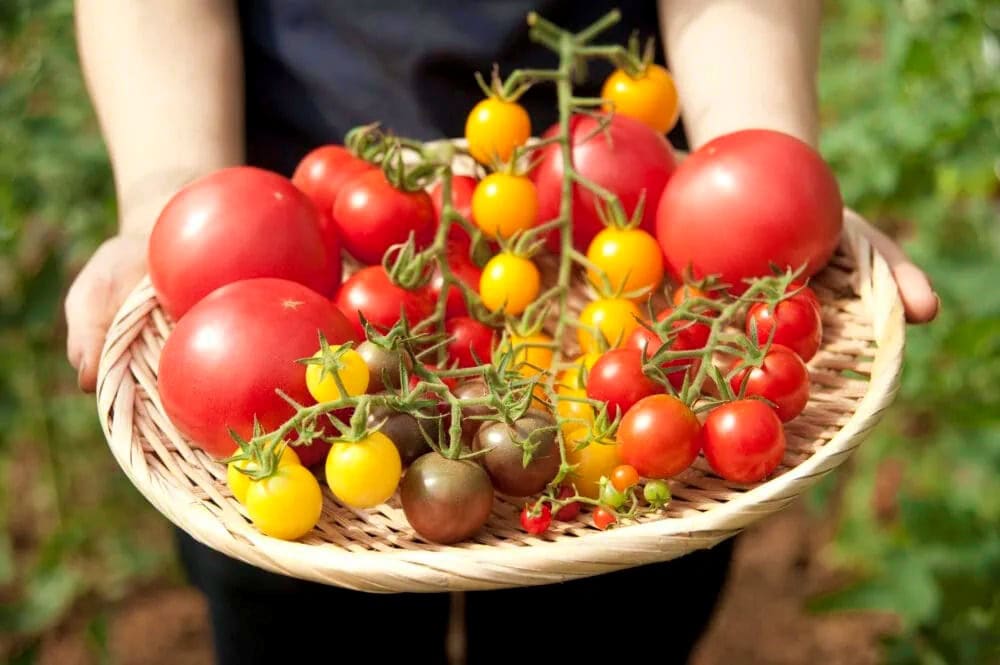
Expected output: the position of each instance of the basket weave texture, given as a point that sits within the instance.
(854, 378)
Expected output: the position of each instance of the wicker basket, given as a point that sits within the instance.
(854, 377)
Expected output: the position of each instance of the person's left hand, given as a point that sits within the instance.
(920, 302)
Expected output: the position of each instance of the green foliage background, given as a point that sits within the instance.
(910, 93)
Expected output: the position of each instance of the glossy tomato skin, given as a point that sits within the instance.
(796, 323)
(472, 343)
(371, 292)
(746, 200)
(234, 224)
(505, 459)
(782, 379)
(320, 175)
(691, 335)
(223, 361)
(446, 501)
(628, 158)
(659, 436)
(371, 215)
(462, 187)
(617, 379)
(744, 440)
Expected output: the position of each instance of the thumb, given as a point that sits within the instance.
(87, 321)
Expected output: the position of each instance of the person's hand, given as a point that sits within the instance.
(96, 294)
(920, 302)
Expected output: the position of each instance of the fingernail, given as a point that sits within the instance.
(80, 372)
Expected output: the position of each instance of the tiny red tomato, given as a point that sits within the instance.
(782, 379)
(536, 520)
(603, 518)
(744, 440)
(570, 511)
(618, 380)
(796, 323)
(471, 342)
(624, 477)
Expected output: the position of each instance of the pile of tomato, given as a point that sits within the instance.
(432, 369)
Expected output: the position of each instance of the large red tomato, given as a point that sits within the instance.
(237, 223)
(221, 365)
(627, 158)
(746, 200)
(370, 292)
(320, 175)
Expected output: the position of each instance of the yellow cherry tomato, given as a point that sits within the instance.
(286, 505)
(364, 473)
(615, 318)
(651, 98)
(630, 258)
(509, 282)
(503, 204)
(580, 414)
(354, 374)
(239, 482)
(596, 460)
(532, 354)
(494, 128)
(575, 375)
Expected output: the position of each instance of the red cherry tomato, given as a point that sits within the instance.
(628, 159)
(320, 175)
(223, 361)
(660, 436)
(539, 523)
(796, 323)
(472, 342)
(370, 292)
(745, 201)
(691, 335)
(617, 379)
(235, 224)
(570, 511)
(603, 518)
(782, 380)
(624, 477)
(371, 215)
(463, 268)
(744, 440)
(462, 187)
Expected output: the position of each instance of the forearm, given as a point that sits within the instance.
(166, 80)
(744, 63)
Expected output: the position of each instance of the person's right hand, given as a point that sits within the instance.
(96, 294)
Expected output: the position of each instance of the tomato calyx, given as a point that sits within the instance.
(261, 454)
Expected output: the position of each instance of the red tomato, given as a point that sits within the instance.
(371, 215)
(692, 335)
(234, 224)
(617, 379)
(536, 524)
(660, 436)
(624, 477)
(744, 440)
(222, 363)
(796, 322)
(603, 518)
(370, 292)
(462, 187)
(570, 511)
(320, 175)
(472, 340)
(746, 200)
(783, 380)
(627, 158)
(463, 268)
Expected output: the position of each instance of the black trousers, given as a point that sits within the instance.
(656, 612)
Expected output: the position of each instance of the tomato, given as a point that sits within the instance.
(628, 159)
(364, 473)
(536, 520)
(446, 501)
(691, 335)
(570, 511)
(371, 215)
(745, 201)
(464, 269)
(685, 291)
(220, 366)
(796, 323)
(239, 482)
(504, 204)
(577, 414)
(656, 493)
(471, 342)
(462, 187)
(472, 415)
(405, 430)
(495, 128)
(236, 224)
(509, 282)
(631, 259)
(597, 460)
(617, 379)
(613, 318)
(383, 365)
(624, 477)
(505, 459)
(286, 505)
(532, 354)
(782, 380)
(659, 436)
(370, 292)
(576, 375)
(603, 518)
(320, 176)
(611, 497)
(353, 374)
(650, 98)
(744, 440)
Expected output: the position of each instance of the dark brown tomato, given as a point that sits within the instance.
(505, 459)
(383, 366)
(446, 501)
(471, 422)
(405, 430)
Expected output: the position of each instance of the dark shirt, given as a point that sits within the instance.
(316, 68)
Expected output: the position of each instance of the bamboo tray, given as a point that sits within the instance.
(854, 378)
